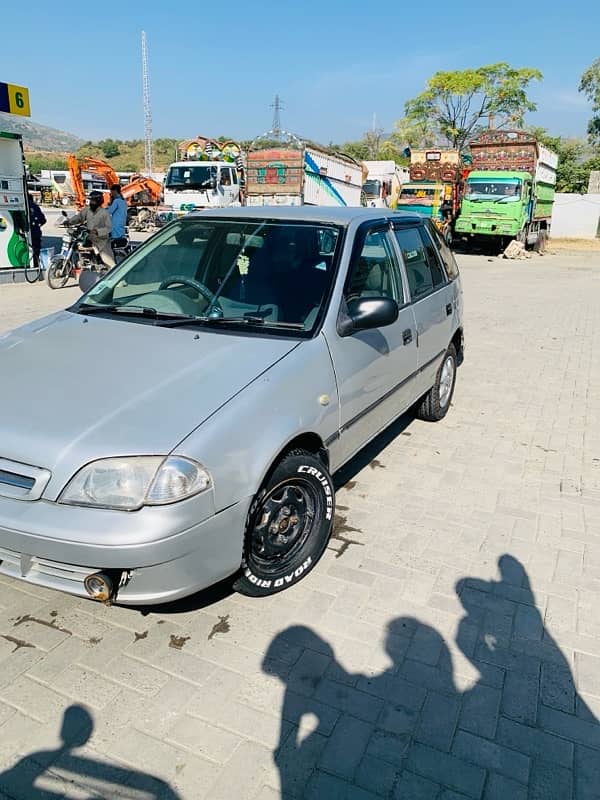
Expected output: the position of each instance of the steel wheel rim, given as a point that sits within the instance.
(446, 381)
(282, 523)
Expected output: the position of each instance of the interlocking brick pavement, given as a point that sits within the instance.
(447, 646)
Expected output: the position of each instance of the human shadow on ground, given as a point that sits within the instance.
(61, 773)
(520, 731)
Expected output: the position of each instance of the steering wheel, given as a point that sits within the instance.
(194, 284)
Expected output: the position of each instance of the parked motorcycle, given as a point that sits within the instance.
(78, 255)
(142, 219)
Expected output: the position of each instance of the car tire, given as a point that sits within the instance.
(288, 527)
(435, 404)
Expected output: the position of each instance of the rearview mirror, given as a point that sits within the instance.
(366, 313)
(248, 240)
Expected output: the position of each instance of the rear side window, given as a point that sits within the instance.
(445, 252)
(423, 268)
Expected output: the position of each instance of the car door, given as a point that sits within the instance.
(374, 368)
(431, 296)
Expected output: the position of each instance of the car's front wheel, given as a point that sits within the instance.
(289, 525)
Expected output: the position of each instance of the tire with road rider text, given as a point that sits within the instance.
(289, 525)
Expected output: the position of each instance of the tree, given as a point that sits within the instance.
(575, 160)
(590, 86)
(39, 161)
(454, 104)
(414, 133)
(373, 146)
(358, 150)
(110, 148)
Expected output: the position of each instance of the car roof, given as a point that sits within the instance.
(332, 214)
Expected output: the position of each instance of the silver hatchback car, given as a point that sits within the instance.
(181, 422)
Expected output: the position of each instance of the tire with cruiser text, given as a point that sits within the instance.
(289, 525)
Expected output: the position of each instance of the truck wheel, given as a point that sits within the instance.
(434, 406)
(541, 243)
(288, 527)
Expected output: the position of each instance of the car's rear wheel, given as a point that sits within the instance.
(289, 525)
(434, 406)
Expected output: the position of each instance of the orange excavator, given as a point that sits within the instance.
(139, 191)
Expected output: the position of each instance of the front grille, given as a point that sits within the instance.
(22, 481)
(43, 571)
(14, 479)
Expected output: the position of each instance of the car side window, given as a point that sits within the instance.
(375, 272)
(433, 260)
(445, 253)
(423, 270)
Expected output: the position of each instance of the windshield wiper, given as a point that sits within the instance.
(113, 308)
(253, 319)
(249, 319)
(138, 311)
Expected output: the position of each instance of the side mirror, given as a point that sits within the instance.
(366, 313)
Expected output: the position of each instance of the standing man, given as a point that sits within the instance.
(117, 208)
(99, 224)
(36, 220)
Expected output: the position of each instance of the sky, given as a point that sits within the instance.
(214, 70)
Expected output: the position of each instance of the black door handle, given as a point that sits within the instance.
(448, 309)
(407, 336)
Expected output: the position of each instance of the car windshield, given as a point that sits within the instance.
(272, 273)
(372, 188)
(416, 195)
(493, 190)
(188, 177)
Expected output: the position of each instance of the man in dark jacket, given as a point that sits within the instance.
(36, 220)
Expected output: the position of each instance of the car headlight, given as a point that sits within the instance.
(132, 482)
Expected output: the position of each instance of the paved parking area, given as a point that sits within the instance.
(447, 646)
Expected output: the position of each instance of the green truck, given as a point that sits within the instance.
(509, 191)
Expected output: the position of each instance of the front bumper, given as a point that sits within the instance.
(491, 226)
(171, 561)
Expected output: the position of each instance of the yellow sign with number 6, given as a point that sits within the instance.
(14, 99)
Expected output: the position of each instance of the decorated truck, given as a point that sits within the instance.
(299, 174)
(435, 187)
(208, 174)
(14, 208)
(384, 181)
(509, 193)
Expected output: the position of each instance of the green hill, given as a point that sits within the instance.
(128, 156)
